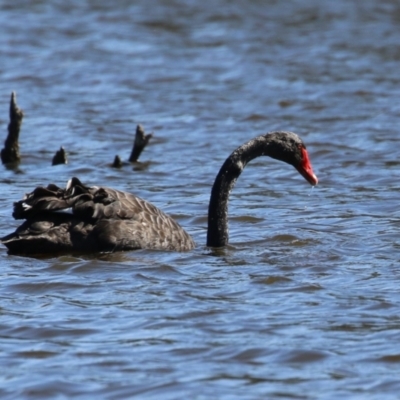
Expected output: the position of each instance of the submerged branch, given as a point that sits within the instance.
(117, 162)
(60, 157)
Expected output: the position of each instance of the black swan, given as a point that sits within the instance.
(105, 219)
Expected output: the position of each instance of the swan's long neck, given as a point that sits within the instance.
(218, 231)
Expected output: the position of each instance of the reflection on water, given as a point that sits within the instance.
(304, 299)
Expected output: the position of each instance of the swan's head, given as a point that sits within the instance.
(288, 147)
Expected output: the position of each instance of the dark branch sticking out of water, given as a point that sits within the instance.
(141, 141)
(60, 157)
(117, 162)
(10, 152)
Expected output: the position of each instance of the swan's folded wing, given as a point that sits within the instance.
(51, 198)
(85, 203)
(106, 203)
(41, 199)
(102, 219)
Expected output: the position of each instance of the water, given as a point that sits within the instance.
(303, 303)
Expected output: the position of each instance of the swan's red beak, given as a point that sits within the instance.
(305, 168)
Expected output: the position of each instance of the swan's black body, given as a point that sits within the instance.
(102, 219)
(105, 219)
